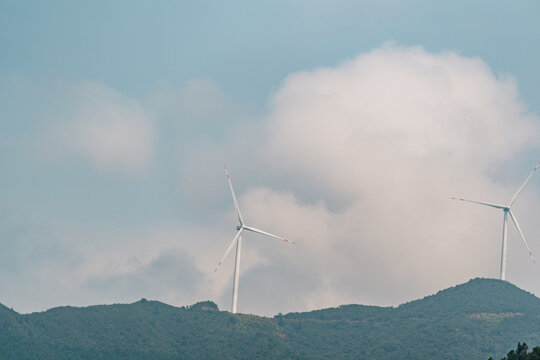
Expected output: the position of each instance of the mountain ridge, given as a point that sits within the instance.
(474, 320)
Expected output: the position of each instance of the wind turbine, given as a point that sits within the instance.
(507, 212)
(238, 241)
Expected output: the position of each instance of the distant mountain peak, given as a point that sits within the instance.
(479, 295)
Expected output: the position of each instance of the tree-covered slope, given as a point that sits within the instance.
(475, 320)
(146, 330)
(470, 321)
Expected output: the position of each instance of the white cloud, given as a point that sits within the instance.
(380, 143)
(104, 127)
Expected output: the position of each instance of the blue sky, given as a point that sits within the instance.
(116, 118)
(132, 45)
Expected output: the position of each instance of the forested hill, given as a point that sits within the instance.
(476, 320)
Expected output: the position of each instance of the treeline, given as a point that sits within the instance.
(521, 353)
(476, 320)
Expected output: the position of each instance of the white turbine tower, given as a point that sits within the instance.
(238, 241)
(506, 211)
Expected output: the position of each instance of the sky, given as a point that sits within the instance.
(346, 126)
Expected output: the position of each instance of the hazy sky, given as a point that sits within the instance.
(346, 126)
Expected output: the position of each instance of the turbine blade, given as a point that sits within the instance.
(236, 207)
(481, 203)
(229, 249)
(523, 237)
(523, 185)
(267, 234)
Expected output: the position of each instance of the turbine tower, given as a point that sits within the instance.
(238, 241)
(508, 212)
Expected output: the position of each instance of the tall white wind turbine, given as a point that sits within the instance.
(508, 212)
(238, 241)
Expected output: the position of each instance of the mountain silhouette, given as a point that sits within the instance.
(475, 320)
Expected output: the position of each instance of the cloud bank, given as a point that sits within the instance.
(370, 152)
(356, 163)
(98, 125)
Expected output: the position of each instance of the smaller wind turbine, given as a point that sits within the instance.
(506, 210)
(238, 241)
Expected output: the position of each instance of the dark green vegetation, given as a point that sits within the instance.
(521, 353)
(476, 320)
